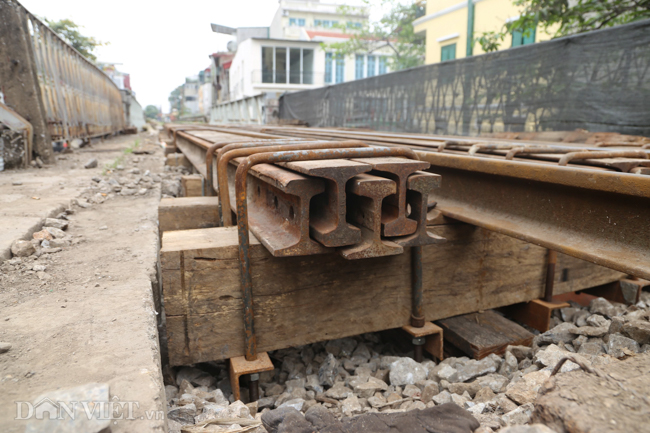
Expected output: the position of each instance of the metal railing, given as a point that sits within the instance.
(250, 110)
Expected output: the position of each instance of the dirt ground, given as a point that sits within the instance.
(89, 316)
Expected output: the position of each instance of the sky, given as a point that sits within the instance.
(158, 43)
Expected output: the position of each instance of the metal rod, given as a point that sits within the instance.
(418, 354)
(209, 156)
(550, 275)
(599, 155)
(242, 215)
(254, 387)
(417, 313)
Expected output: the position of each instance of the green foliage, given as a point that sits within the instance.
(151, 112)
(490, 41)
(175, 98)
(68, 30)
(109, 168)
(394, 30)
(570, 17)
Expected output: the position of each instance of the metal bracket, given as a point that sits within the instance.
(433, 336)
(239, 367)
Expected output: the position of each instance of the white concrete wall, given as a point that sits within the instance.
(136, 114)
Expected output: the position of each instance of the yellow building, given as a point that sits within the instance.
(447, 24)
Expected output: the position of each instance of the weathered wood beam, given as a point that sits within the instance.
(187, 213)
(300, 300)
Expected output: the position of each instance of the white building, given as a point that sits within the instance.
(191, 96)
(291, 58)
(295, 16)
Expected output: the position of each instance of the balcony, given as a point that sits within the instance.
(269, 76)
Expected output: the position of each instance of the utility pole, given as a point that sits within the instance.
(470, 28)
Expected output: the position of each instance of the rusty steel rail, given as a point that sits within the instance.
(242, 214)
(543, 151)
(595, 208)
(592, 211)
(226, 157)
(595, 215)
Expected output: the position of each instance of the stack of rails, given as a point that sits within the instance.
(585, 200)
(311, 191)
(361, 206)
(560, 196)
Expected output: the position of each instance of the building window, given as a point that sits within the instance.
(383, 63)
(520, 38)
(327, 23)
(292, 22)
(267, 64)
(340, 68)
(328, 67)
(283, 65)
(371, 66)
(280, 65)
(318, 23)
(301, 22)
(353, 25)
(307, 66)
(448, 52)
(359, 66)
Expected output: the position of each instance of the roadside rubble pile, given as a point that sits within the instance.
(362, 375)
(127, 179)
(52, 238)
(120, 181)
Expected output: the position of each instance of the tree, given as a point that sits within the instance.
(151, 112)
(176, 98)
(394, 30)
(569, 16)
(69, 32)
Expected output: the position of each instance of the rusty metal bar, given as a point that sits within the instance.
(394, 219)
(328, 223)
(242, 215)
(365, 195)
(241, 145)
(600, 155)
(551, 261)
(279, 208)
(209, 156)
(222, 164)
(417, 313)
(595, 215)
(420, 186)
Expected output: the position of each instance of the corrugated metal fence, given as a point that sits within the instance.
(80, 100)
(50, 84)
